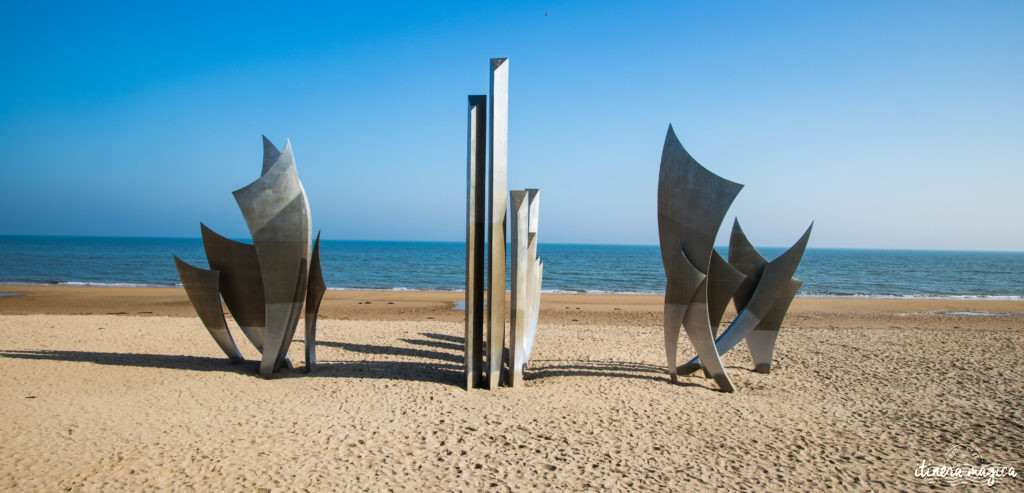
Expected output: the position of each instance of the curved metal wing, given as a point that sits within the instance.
(746, 259)
(277, 214)
(270, 155)
(314, 295)
(692, 203)
(241, 283)
(776, 277)
(201, 287)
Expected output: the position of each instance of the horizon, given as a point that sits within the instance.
(891, 126)
(246, 239)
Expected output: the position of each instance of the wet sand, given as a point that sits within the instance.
(122, 388)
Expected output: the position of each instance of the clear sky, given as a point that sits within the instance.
(891, 124)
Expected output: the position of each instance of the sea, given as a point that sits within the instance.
(568, 268)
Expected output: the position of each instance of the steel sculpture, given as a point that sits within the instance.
(526, 281)
(277, 214)
(526, 268)
(266, 284)
(692, 203)
(498, 206)
(535, 275)
(476, 210)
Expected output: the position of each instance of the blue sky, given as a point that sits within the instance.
(890, 124)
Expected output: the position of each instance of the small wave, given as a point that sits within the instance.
(396, 289)
(597, 292)
(984, 314)
(827, 295)
(90, 284)
(951, 297)
(116, 284)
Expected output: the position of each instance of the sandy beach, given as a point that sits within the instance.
(122, 388)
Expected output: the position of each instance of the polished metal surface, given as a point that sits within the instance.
(314, 295)
(536, 275)
(277, 214)
(531, 327)
(526, 280)
(476, 223)
(241, 284)
(498, 205)
(519, 305)
(201, 286)
(692, 203)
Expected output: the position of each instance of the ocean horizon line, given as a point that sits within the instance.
(244, 239)
(585, 292)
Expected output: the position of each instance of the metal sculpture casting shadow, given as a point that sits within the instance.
(265, 284)
(487, 200)
(692, 203)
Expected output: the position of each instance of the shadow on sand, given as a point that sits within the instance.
(444, 367)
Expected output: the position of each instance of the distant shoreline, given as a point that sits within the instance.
(7, 286)
(625, 310)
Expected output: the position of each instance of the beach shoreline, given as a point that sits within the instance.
(606, 309)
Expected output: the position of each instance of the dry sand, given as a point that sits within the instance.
(123, 389)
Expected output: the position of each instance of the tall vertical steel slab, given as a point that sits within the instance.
(498, 205)
(476, 225)
(201, 286)
(535, 274)
(520, 309)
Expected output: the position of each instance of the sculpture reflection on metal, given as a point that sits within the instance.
(201, 286)
(266, 284)
(692, 202)
(488, 206)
